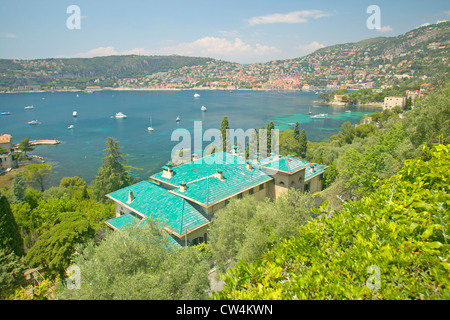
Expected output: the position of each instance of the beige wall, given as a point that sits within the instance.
(284, 181)
(392, 102)
(315, 184)
(6, 161)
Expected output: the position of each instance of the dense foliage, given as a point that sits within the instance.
(399, 234)
(139, 264)
(246, 228)
(113, 174)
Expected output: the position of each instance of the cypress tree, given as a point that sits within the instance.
(303, 144)
(112, 175)
(225, 141)
(270, 127)
(10, 239)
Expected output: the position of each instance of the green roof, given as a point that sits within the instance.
(318, 169)
(129, 220)
(153, 201)
(203, 183)
(288, 164)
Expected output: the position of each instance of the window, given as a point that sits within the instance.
(239, 196)
(307, 186)
(250, 192)
(261, 187)
(281, 183)
(197, 240)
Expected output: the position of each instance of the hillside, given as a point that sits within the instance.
(419, 55)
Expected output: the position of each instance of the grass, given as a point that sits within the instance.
(7, 178)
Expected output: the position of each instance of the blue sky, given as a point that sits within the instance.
(244, 31)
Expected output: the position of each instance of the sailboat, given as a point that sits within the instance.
(151, 125)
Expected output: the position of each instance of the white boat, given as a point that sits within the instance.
(203, 108)
(5, 113)
(348, 111)
(120, 115)
(196, 95)
(74, 113)
(178, 119)
(320, 116)
(29, 107)
(71, 126)
(151, 126)
(33, 122)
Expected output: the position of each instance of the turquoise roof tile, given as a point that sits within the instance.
(156, 202)
(203, 184)
(288, 164)
(318, 169)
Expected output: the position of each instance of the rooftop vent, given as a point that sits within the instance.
(183, 187)
(167, 172)
(130, 197)
(249, 165)
(312, 169)
(220, 174)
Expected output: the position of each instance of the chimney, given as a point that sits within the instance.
(220, 174)
(311, 169)
(183, 187)
(194, 156)
(130, 196)
(280, 156)
(167, 172)
(249, 165)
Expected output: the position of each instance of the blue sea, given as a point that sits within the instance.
(81, 150)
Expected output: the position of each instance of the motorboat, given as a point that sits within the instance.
(178, 119)
(196, 95)
(120, 115)
(348, 111)
(33, 122)
(74, 113)
(203, 108)
(71, 126)
(29, 107)
(319, 116)
(5, 113)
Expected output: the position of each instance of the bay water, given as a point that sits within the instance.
(80, 152)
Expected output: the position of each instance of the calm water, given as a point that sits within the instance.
(81, 150)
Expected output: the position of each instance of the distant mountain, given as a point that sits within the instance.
(419, 55)
(80, 72)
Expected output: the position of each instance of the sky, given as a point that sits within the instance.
(244, 31)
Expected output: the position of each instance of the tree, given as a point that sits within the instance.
(112, 175)
(296, 132)
(270, 127)
(12, 268)
(18, 188)
(399, 232)
(139, 264)
(37, 173)
(10, 238)
(303, 144)
(55, 247)
(246, 228)
(25, 146)
(225, 144)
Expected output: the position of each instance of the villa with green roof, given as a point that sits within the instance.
(184, 198)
